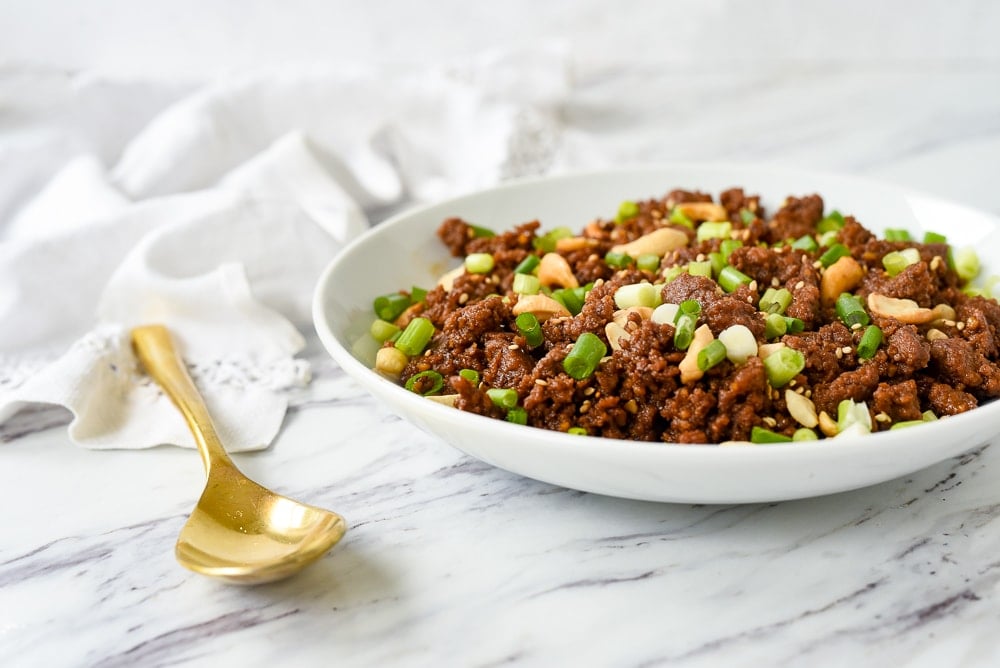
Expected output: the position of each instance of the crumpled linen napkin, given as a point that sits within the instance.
(217, 218)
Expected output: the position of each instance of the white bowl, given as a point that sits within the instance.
(405, 251)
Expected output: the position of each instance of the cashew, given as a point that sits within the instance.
(689, 365)
(801, 408)
(944, 312)
(828, 425)
(448, 279)
(555, 270)
(703, 211)
(841, 276)
(615, 333)
(935, 334)
(446, 399)
(390, 361)
(574, 244)
(621, 316)
(657, 242)
(542, 306)
(904, 310)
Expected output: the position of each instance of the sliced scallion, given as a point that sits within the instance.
(677, 216)
(935, 238)
(897, 261)
(731, 278)
(831, 222)
(529, 327)
(637, 294)
(617, 260)
(648, 262)
(761, 435)
(382, 331)
(627, 210)
(894, 234)
(727, 246)
(517, 415)
(526, 284)
(502, 397)
(711, 354)
(747, 216)
(415, 337)
(684, 330)
(850, 310)
(870, 341)
(804, 434)
(426, 382)
(805, 243)
(774, 326)
(714, 230)
(966, 263)
(585, 355)
(479, 263)
(833, 253)
(703, 268)
(470, 375)
(775, 300)
(389, 307)
(783, 365)
(527, 265)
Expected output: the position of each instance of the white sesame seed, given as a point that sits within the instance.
(847, 350)
(753, 286)
(856, 326)
(462, 298)
(543, 382)
(960, 325)
(513, 346)
(775, 282)
(883, 417)
(800, 285)
(770, 421)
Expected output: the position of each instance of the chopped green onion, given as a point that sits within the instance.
(586, 354)
(897, 261)
(740, 343)
(761, 435)
(929, 416)
(827, 239)
(834, 253)
(577, 431)
(571, 298)
(502, 397)
(804, 434)
(526, 284)
(714, 230)
(703, 268)
(389, 307)
(747, 216)
(415, 337)
(529, 327)
(690, 307)
(783, 365)
(626, 210)
(517, 415)
(419, 382)
(479, 263)
(470, 375)
(481, 232)
(850, 413)
(850, 310)
(775, 300)
(805, 243)
(731, 278)
(832, 222)
(892, 234)
(672, 273)
(677, 216)
(617, 260)
(684, 330)
(382, 331)
(711, 354)
(648, 262)
(967, 263)
(547, 242)
(727, 246)
(774, 326)
(417, 294)
(906, 423)
(527, 265)
(718, 261)
(935, 238)
(637, 294)
(793, 325)
(870, 341)
(665, 314)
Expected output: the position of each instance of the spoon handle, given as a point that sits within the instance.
(155, 349)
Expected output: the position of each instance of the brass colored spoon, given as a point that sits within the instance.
(239, 531)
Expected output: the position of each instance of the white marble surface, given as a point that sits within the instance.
(450, 562)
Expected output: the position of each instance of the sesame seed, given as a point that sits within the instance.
(839, 353)
(753, 286)
(750, 299)
(960, 325)
(588, 391)
(809, 393)
(700, 257)
(770, 421)
(462, 298)
(936, 263)
(791, 383)
(847, 350)
(775, 282)
(800, 390)
(543, 382)
(949, 323)
(856, 326)
(800, 285)
(817, 264)
(513, 346)
(631, 406)
(585, 406)
(882, 417)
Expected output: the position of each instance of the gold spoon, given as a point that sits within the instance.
(239, 531)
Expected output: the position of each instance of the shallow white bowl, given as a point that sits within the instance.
(405, 251)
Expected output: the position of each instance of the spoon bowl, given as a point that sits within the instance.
(239, 531)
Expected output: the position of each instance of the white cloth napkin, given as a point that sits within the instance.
(220, 207)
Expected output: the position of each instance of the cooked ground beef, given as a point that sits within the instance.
(936, 352)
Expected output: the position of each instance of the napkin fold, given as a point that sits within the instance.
(217, 218)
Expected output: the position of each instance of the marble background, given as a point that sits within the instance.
(448, 561)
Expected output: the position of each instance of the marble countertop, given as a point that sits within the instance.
(448, 561)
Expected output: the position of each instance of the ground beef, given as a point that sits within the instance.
(637, 390)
